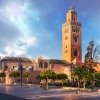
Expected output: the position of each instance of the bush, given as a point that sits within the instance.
(56, 84)
(18, 80)
(30, 82)
(97, 83)
(68, 84)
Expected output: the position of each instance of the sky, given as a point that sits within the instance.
(33, 28)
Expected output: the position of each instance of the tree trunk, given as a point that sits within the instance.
(14, 80)
(84, 85)
(62, 84)
(27, 81)
(79, 87)
(53, 82)
(2, 80)
(47, 83)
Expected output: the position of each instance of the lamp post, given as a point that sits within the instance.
(21, 68)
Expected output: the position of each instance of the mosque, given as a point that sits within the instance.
(71, 52)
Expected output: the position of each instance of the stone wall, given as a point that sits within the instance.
(32, 80)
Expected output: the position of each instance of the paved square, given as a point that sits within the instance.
(36, 93)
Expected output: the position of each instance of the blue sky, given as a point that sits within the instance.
(33, 28)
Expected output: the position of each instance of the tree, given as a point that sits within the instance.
(2, 75)
(38, 77)
(14, 74)
(45, 74)
(97, 76)
(87, 76)
(82, 74)
(27, 75)
(53, 76)
(62, 77)
(78, 75)
(92, 56)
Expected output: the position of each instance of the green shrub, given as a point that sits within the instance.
(97, 83)
(30, 82)
(56, 84)
(68, 84)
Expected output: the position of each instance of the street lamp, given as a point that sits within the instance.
(21, 72)
(21, 68)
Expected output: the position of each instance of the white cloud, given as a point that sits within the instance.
(20, 47)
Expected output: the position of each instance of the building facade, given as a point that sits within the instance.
(56, 65)
(71, 37)
(9, 63)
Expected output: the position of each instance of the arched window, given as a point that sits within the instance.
(32, 68)
(66, 37)
(75, 39)
(66, 51)
(45, 65)
(6, 67)
(75, 53)
(40, 65)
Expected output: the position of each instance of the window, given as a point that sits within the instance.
(40, 65)
(45, 65)
(66, 30)
(32, 68)
(66, 51)
(75, 53)
(73, 28)
(75, 39)
(6, 67)
(13, 67)
(66, 38)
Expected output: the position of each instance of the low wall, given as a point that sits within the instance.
(85, 89)
(32, 80)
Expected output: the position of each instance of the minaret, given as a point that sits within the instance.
(71, 37)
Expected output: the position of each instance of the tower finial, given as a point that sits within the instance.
(71, 7)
